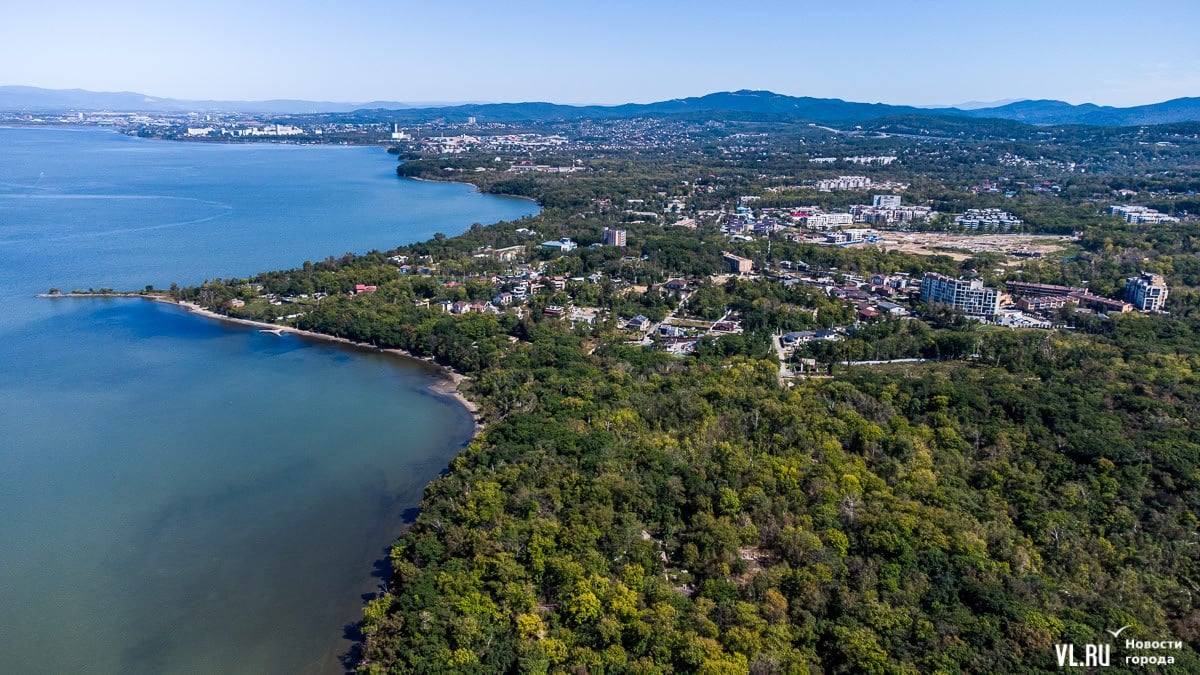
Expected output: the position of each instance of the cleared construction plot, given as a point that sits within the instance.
(963, 246)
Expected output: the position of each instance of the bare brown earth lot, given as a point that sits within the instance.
(936, 243)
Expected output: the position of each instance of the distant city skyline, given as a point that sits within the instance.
(946, 53)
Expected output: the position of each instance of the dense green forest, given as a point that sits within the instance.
(660, 517)
(625, 510)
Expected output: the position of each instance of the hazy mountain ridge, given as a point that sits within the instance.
(1058, 112)
(822, 110)
(36, 99)
(827, 110)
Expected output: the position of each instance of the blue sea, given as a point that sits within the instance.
(179, 495)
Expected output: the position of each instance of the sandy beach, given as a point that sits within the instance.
(450, 384)
(463, 182)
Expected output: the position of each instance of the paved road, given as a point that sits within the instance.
(647, 339)
(784, 372)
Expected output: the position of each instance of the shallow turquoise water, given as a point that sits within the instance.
(178, 495)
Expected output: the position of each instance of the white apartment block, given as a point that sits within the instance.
(852, 236)
(843, 183)
(1141, 215)
(968, 295)
(614, 237)
(879, 215)
(828, 221)
(988, 219)
(271, 130)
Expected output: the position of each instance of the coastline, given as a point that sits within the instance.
(286, 141)
(463, 182)
(449, 383)
(420, 377)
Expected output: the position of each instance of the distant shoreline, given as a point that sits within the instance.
(448, 385)
(463, 182)
(289, 143)
(283, 140)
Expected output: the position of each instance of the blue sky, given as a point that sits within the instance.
(919, 53)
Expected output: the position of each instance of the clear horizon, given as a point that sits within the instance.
(366, 50)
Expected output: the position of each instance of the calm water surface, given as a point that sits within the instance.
(178, 495)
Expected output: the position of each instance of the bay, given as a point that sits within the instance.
(179, 495)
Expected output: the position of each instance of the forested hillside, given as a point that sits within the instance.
(625, 510)
(695, 518)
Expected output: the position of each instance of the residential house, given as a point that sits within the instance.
(563, 245)
(891, 308)
(676, 286)
(507, 254)
(680, 346)
(796, 338)
(581, 316)
(639, 323)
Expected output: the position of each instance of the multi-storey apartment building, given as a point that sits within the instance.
(968, 295)
(1147, 292)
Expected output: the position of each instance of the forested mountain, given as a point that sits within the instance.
(745, 101)
(1057, 112)
(761, 103)
(824, 110)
